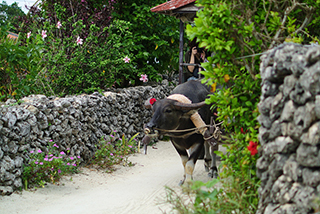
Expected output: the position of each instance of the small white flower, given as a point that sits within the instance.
(59, 24)
(144, 78)
(79, 41)
(126, 59)
(44, 34)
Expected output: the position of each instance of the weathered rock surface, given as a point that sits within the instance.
(289, 166)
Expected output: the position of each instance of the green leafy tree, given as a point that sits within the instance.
(238, 32)
(156, 36)
(19, 66)
(8, 13)
(84, 47)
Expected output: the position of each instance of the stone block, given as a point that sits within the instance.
(275, 130)
(6, 190)
(280, 190)
(308, 155)
(310, 79)
(312, 137)
(304, 197)
(299, 95)
(311, 177)
(288, 112)
(292, 169)
(288, 85)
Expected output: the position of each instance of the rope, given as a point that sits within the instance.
(191, 131)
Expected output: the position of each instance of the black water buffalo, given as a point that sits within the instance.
(169, 114)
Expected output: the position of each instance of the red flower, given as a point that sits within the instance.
(253, 147)
(152, 101)
(242, 131)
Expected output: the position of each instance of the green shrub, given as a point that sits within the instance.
(112, 150)
(155, 37)
(20, 67)
(227, 196)
(84, 47)
(48, 167)
(89, 65)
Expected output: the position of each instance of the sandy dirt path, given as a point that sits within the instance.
(129, 190)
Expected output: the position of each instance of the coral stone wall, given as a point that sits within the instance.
(75, 122)
(289, 163)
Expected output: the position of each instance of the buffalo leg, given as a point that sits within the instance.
(195, 152)
(184, 158)
(210, 160)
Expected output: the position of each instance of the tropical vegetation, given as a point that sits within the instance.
(75, 47)
(238, 33)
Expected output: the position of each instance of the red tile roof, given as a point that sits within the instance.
(12, 35)
(171, 5)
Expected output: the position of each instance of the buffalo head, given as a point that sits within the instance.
(167, 113)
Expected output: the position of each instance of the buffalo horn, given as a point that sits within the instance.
(188, 107)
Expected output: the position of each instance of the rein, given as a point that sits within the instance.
(191, 131)
(216, 133)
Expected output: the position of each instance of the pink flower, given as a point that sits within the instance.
(36, 162)
(68, 164)
(44, 34)
(130, 146)
(51, 155)
(59, 171)
(55, 145)
(62, 153)
(111, 135)
(78, 156)
(111, 154)
(59, 24)
(71, 158)
(39, 151)
(126, 59)
(144, 78)
(74, 164)
(50, 140)
(28, 35)
(50, 159)
(32, 151)
(46, 159)
(79, 41)
(41, 163)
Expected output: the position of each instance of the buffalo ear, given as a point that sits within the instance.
(149, 102)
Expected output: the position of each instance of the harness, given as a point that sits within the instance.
(213, 129)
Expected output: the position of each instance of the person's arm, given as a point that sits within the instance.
(193, 53)
(203, 57)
